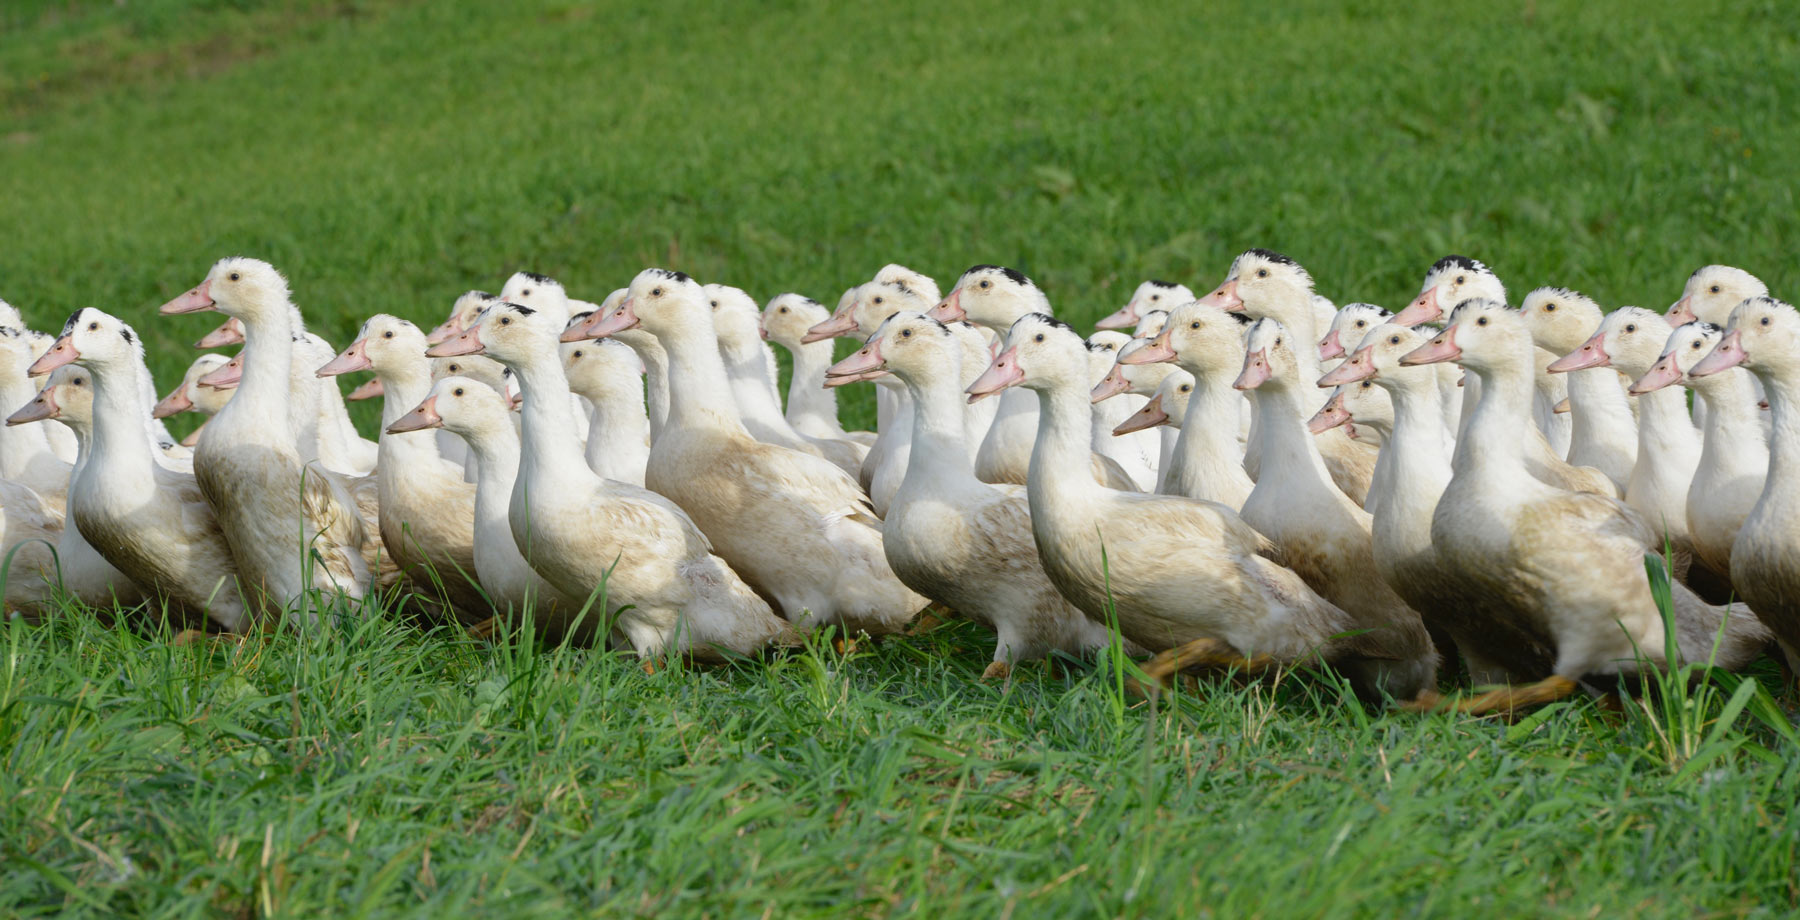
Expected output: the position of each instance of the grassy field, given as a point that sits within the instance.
(388, 156)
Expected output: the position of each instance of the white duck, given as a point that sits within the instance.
(949, 536)
(1361, 406)
(291, 527)
(1712, 292)
(189, 396)
(1603, 430)
(1348, 326)
(791, 524)
(462, 315)
(427, 510)
(1107, 551)
(1207, 343)
(26, 456)
(610, 376)
(995, 297)
(1448, 282)
(811, 408)
(861, 311)
(1139, 450)
(1565, 567)
(152, 524)
(661, 586)
(1151, 295)
(1734, 454)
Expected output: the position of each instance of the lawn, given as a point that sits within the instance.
(388, 156)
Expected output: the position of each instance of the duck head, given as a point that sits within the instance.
(461, 405)
(248, 289)
(1482, 335)
(1450, 281)
(991, 296)
(602, 369)
(1040, 352)
(1151, 295)
(67, 396)
(1560, 320)
(1763, 337)
(1263, 282)
(462, 315)
(1688, 344)
(1712, 292)
(1269, 357)
(911, 346)
(787, 317)
(384, 342)
(1348, 326)
(1629, 338)
(94, 338)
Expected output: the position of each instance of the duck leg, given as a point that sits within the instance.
(1505, 700)
(1212, 654)
(999, 670)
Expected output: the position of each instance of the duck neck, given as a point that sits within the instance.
(1602, 411)
(20, 445)
(268, 363)
(1784, 432)
(1208, 438)
(618, 428)
(550, 455)
(699, 388)
(1663, 421)
(1491, 432)
(1283, 443)
(939, 447)
(1413, 458)
(118, 427)
(1733, 437)
(808, 397)
(496, 450)
(748, 369)
(1061, 461)
(405, 383)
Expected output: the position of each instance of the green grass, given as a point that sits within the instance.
(388, 156)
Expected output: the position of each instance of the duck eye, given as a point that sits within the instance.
(1395, 340)
(906, 333)
(715, 304)
(1765, 321)
(1361, 323)
(1186, 387)
(1460, 279)
(878, 300)
(93, 326)
(1278, 343)
(1696, 345)
(1631, 327)
(1367, 384)
(1714, 289)
(656, 292)
(1481, 322)
(457, 391)
(577, 352)
(1194, 325)
(388, 334)
(80, 380)
(987, 284)
(1040, 337)
(1549, 308)
(505, 320)
(234, 276)
(784, 309)
(525, 293)
(1262, 273)
(1155, 296)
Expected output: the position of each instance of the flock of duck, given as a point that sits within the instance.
(1247, 479)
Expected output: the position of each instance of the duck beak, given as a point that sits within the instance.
(1329, 346)
(194, 437)
(1360, 366)
(1681, 313)
(1150, 416)
(1125, 318)
(1256, 371)
(599, 326)
(858, 366)
(1003, 373)
(763, 331)
(837, 326)
(226, 376)
(950, 310)
(1225, 298)
(466, 342)
(1562, 408)
(40, 408)
(1424, 309)
(1155, 351)
(1661, 374)
(444, 330)
(1114, 384)
(175, 403)
(61, 353)
(1728, 353)
(354, 358)
(230, 332)
(1590, 354)
(1438, 350)
(1330, 416)
(194, 301)
(369, 390)
(419, 419)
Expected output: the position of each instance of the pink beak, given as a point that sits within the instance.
(949, 310)
(839, 325)
(1125, 318)
(466, 342)
(1329, 347)
(230, 332)
(1114, 384)
(1360, 366)
(419, 419)
(1562, 408)
(61, 353)
(1003, 373)
(762, 331)
(622, 317)
(40, 408)
(1660, 374)
(1591, 354)
(354, 358)
(1727, 354)
(1155, 351)
(1256, 371)
(175, 403)
(1330, 416)
(864, 361)
(1225, 298)
(369, 390)
(1423, 309)
(1681, 313)
(193, 301)
(226, 376)
(1150, 416)
(444, 330)
(1438, 350)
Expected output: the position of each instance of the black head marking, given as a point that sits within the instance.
(125, 332)
(1457, 263)
(1272, 256)
(73, 320)
(520, 309)
(541, 279)
(1709, 328)
(1161, 284)
(579, 317)
(670, 275)
(482, 294)
(1243, 319)
(11, 332)
(1012, 274)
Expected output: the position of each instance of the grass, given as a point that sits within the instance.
(390, 155)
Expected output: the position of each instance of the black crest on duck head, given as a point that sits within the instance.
(1011, 274)
(520, 309)
(1456, 263)
(1161, 284)
(541, 279)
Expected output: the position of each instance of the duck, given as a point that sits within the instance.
(1448, 282)
(1734, 453)
(650, 352)
(1349, 324)
(1266, 284)
(1317, 530)
(292, 528)
(1763, 337)
(462, 315)
(1151, 295)
(38, 579)
(1712, 292)
(228, 333)
(150, 523)
(750, 369)
(859, 313)
(794, 526)
(634, 551)
(994, 297)
(189, 396)
(1208, 344)
(609, 375)
(812, 407)
(427, 508)
(475, 367)
(26, 457)
(949, 536)
(1138, 451)
(1632, 339)
(1603, 425)
(1167, 406)
(1106, 551)
(340, 448)
(1359, 405)
(1566, 567)
(475, 412)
